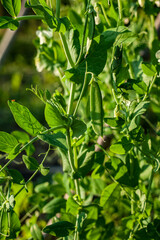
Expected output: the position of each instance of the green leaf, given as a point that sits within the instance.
(15, 225)
(40, 7)
(25, 119)
(121, 147)
(8, 22)
(30, 162)
(7, 142)
(13, 7)
(92, 215)
(72, 38)
(139, 110)
(14, 152)
(52, 140)
(114, 122)
(125, 38)
(36, 232)
(78, 127)
(59, 229)
(16, 176)
(64, 25)
(148, 69)
(4, 228)
(53, 116)
(86, 163)
(44, 170)
(72, 206)
(107, 193)
(54, 206)
(122, 75)
(22, 137)
(96, 59)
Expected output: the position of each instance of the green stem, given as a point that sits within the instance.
(46, 154)
(29, 213)
(58, 4)
(29, 17)
(66, 49)
(69, 59)
(131, 71)
(71, 98)
(105, 16)
(132, 191)
(120, 9)
(70, 152)
(150, 87)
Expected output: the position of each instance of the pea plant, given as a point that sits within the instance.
(104, 125)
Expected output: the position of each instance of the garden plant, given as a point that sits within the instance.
(104, 125)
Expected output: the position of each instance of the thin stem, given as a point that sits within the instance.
(69, 59)
(131, 71)
(70, 153)
(66, 49)
(120, 9)
(58, 4)
(71, 98)
(29, 213)
(30, 142)
(46, 154)
(29, 17)
(105, 16)
(150, 87)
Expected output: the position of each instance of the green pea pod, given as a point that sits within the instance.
(91, 29)
(96, 110)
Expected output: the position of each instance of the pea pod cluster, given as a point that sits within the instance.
(96, 108)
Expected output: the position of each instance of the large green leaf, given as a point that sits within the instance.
(96, 59)
(121, 147)
(7, 142)
(53, 116)
(54, 206)
(16, 176)
(40, 7)
(36, 232)
(4, 228)
(86, 163)
(72, 206)
(52, 140)
(25, 119)
(107, 193)
(148, 69)
(72, 38)
(59, 229)
(30, 162)
(8, 22)
(12, 6)
(139, 110)
(78, 127)
(15, 225)
(114, 122)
